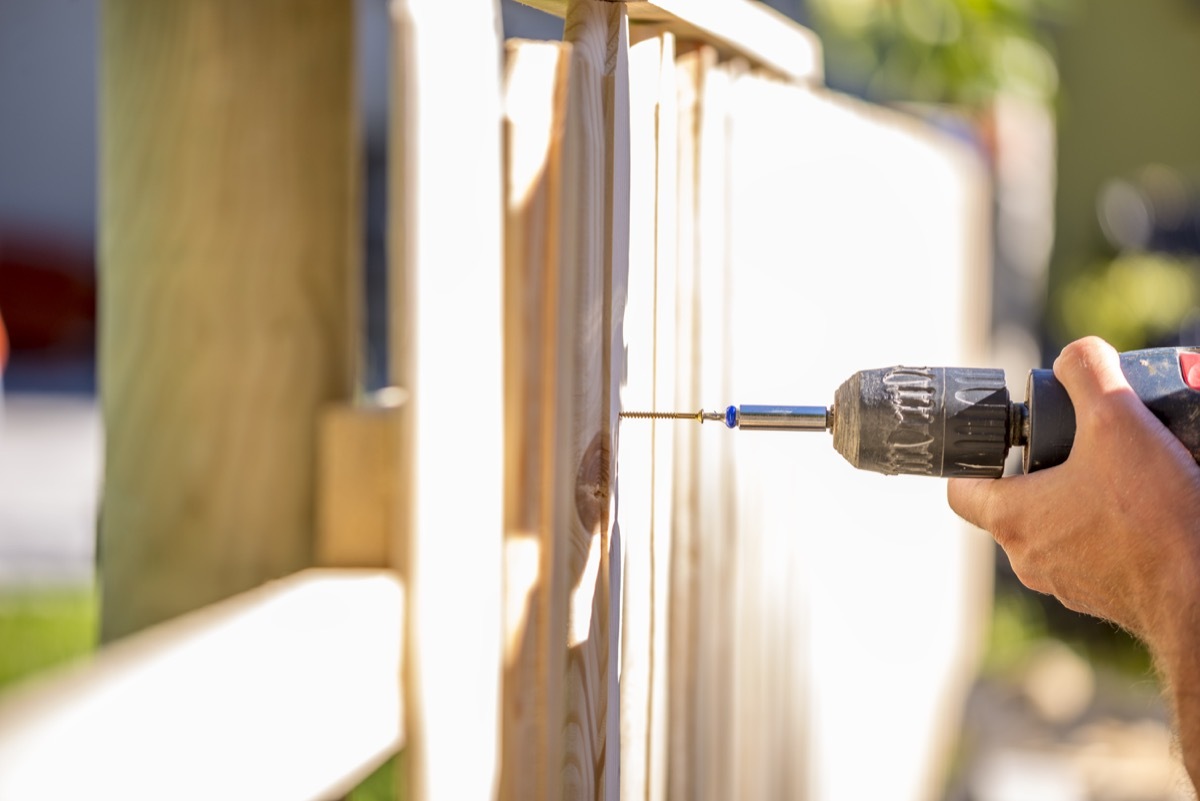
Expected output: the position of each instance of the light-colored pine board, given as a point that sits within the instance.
(635, 463)
(715, 528)
(289, 690)
(683, 588)
(446, 255)
(357, 452)
(739, 28)
(771, 705)
(576, 518)
(617, 239)
(665, 335)
(645, 468)
(536, 599)
(595, 257)
(228, 242)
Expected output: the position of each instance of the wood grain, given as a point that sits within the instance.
(446, 258)
(594, 263)
(228, 247)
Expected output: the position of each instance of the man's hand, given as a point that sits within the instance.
(1114, 531)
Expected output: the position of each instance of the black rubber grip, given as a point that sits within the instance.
(1155, 376)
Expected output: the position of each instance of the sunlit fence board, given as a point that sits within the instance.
(635, 469)
(595, 252)
(856, 244)
(537, 406)
(291, 690)
(682, 587)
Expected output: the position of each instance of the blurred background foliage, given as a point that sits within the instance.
(961, 52)
(1132, 300)
(44, 627)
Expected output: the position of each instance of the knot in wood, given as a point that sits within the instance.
(592, 484)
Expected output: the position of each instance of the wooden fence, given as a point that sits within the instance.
(663, 211)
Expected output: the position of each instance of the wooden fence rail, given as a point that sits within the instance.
(660, 211)
(286, 691)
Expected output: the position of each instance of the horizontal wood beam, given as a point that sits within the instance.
(290, 690)
(741, 28)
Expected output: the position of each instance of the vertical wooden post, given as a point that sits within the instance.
(227, 247)
(445, 253)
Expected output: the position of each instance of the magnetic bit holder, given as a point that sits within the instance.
(754, 418)
(779, 418)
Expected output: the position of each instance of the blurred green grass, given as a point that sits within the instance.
(383, 783)
(44, 627)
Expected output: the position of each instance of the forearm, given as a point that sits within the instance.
(1176, 650)
(1115, 530)
(1187, 714)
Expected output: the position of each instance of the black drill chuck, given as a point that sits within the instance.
(925, 421)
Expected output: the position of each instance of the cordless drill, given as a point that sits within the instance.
(960, 421)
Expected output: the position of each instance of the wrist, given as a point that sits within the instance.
(1174, 631)
(1174, 641)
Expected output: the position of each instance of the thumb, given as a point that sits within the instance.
(1089, 369)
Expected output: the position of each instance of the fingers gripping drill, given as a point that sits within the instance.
(960, 421)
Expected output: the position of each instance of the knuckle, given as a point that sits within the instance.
(1084, 364)
(1094, 345)
(1089, 350)
(1075, 354)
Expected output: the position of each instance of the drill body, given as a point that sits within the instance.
(949, 421)
(961, 422)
